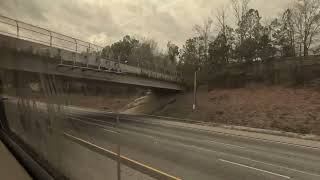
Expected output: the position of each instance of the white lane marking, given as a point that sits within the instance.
(223, 133)
(183, 127)
(242, 136)
(303, 172)
(80, 109)
(226, 144)
(204, 149)
(249, 167)
(226, 154)
(212, 141)
(200, 140)
(73, 114)
(110, 131)
(241, 157)
(101, 126)
(93, 119)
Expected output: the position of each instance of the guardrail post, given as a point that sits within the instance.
(76, 44)
(59, 53)
(75, 54)
(88, 53)
(100, 61)
(50, 38)
(118, 67)
(99, 66)
(99, 57)
(17, 28)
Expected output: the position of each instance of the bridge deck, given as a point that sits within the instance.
(70, 53)
(22, 55)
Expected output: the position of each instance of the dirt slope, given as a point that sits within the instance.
(268, 107)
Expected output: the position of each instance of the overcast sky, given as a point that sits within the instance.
(105, 21)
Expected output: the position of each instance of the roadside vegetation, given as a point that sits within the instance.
(252, 71)
(278, 108)
(235, 33)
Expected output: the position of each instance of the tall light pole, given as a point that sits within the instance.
(197, 68)
(118, 150)
(194, 90)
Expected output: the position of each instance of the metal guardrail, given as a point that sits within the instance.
(21, 30)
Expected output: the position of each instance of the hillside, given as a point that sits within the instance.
(259, 106)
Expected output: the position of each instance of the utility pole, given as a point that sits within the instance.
(197, 68)
(194, 91)
(118, 150)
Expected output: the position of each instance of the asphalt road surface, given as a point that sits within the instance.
(190, 154)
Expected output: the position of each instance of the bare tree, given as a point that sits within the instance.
(204, 31)
(307, 22)
(240, 8)
(221, 19)
(283, 33)
(288, 27)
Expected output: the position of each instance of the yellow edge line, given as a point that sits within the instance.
(146, 166)
(126, 158)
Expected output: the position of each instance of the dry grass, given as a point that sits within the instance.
(268, 107)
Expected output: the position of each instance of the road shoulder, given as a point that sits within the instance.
(240, 133)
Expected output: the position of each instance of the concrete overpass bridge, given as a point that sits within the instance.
(28, 48)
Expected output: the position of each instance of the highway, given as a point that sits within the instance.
(190, 154)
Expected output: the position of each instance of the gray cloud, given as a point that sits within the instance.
(19, 8)
(104, 22)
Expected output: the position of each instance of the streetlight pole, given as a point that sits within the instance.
(118, 150)
(197, 68)
(194, 91)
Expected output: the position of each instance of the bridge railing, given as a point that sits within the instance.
(21, 30)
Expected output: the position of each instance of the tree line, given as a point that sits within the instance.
(293, 33)
(142, 53)
(234, 34)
